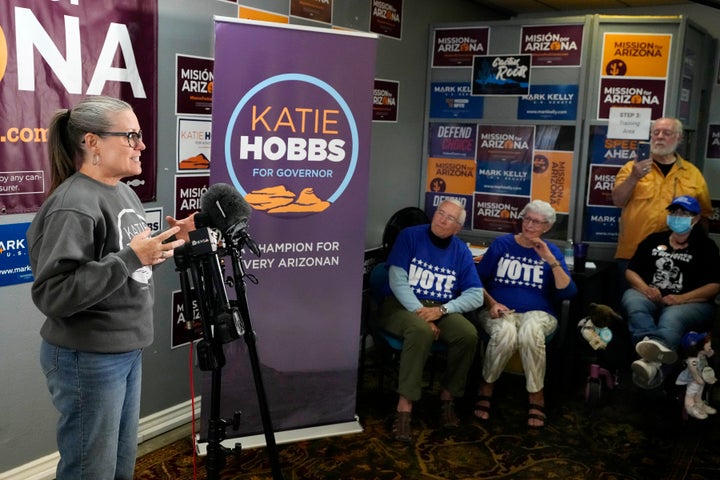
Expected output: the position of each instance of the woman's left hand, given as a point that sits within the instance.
(186, 226)
(542, 249)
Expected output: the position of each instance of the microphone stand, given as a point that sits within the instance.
(213, 303)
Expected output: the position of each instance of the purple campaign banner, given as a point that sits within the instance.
(291, 132)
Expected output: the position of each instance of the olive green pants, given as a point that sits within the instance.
(456, 331)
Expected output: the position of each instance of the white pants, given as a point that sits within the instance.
(693, 394)
(525, 332)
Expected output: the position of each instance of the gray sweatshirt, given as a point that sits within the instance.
(89, 283)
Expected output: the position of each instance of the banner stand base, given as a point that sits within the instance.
(289, 436)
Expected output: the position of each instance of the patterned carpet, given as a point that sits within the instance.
(631, 434)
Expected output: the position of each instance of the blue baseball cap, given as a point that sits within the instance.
(692, 338)
(686, 202)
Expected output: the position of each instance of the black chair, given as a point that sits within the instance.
(403, 218)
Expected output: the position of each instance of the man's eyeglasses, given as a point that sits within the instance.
(133, 138)
(534, 221)
(442, 214)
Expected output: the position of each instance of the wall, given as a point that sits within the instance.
(27, 422)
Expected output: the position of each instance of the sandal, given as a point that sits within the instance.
(401, 427)
(448, 418)
(539, 414)
(480, 407)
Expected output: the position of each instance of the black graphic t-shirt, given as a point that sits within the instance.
(677, 271)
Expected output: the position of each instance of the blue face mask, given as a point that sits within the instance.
(679, 224)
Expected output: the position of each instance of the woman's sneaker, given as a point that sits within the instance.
(646, 374)
(654, 351)
(708, 409)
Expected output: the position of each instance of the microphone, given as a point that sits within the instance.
(222, 207)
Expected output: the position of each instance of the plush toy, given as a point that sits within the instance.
(595, 328)
(696, 348)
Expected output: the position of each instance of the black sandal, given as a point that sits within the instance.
(402, 429)
(536, 416)
(482, 408)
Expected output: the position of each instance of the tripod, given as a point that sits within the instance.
(222, 321)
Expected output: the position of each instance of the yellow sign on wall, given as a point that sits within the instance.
(451, 175)
(636, 55)
(552, 178)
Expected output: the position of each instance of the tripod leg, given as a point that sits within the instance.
(262, 401)
(216, 453)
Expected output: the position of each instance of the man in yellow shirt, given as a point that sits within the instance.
(644, 188)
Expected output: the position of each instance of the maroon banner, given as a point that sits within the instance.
(631, 92)
(497, 213)
(386, 17)
(385, 100)
(193, 85)
(715, 219)
(57, 53)
(455, 47)
(318, 10)
(552, 45)
(713, 141)
(601, 181)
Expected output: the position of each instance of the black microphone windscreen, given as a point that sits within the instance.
(224, 207)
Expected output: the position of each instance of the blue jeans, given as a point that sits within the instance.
(664, 323)
(98, 397)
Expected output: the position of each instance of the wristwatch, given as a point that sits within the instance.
(443, 309)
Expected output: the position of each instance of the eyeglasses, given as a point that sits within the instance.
(664, 133)
(444, 215)
(133, 138)
(534, 221)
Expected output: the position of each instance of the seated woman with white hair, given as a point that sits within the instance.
(523, 278)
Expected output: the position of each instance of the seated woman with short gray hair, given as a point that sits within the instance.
(524, 276)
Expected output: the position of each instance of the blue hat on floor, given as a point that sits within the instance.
(687, 202)
(692, 338)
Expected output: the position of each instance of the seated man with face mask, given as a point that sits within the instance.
(674, 278)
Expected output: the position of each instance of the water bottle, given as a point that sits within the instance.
(569, 253)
